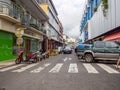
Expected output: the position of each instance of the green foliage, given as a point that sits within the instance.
(95, 9)
(105, 6)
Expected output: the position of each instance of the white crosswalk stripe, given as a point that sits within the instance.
(73, 68)
(90, 68)
(40, 68)
(70, 58)
(25, 68)
(108, 69)
(57, 68)
(9, 68)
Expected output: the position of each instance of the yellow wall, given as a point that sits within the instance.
(44, 7)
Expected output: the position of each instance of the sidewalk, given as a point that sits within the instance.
(6, 63)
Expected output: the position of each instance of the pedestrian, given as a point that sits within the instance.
(118, 62)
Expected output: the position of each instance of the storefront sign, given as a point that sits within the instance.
(19, 41)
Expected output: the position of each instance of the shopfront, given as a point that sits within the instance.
(6, 46)
(9, 47)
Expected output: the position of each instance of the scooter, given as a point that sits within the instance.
(31, 57)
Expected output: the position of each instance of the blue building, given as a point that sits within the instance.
(101, 21)
(88, 13)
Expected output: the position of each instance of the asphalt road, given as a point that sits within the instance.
(61, 72)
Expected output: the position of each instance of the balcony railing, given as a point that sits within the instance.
(43, 31)
(17, 12)
(10, 10)
(34, 26)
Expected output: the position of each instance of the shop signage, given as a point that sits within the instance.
(19, 41)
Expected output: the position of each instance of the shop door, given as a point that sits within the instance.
(27, 46)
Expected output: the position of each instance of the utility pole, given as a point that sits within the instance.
(19, 33)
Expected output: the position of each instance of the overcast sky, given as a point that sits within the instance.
(70, 13)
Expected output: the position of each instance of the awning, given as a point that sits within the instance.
(112, 36)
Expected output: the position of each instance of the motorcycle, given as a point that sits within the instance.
(31, 57)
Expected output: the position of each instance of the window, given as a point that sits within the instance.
(111, 45)
(87, 47)
(99, 45)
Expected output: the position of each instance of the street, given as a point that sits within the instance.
(60, 72)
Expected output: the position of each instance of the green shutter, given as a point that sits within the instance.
(6, 46)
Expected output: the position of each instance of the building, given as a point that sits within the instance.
(53, 27)
(101, 21)
(60, 34)
(21, 25)
(65, 39)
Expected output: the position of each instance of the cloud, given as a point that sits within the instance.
(70, 13)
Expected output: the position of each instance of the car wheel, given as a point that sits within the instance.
(88, 58)
(35, 60)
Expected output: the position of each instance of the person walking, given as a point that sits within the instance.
(117, 64)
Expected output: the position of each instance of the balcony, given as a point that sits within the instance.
(34, 26)
(43, 31)
(33, 7)
(9, 13)
(17, 15)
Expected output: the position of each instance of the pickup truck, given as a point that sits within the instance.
(99, 50)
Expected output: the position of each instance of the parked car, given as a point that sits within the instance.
(80, 48)
(100, 50)
(67, 50)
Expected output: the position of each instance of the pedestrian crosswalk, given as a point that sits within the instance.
(59, 67)
(107, 68)
(56, 68)
(73, 68)
(8, 68)
(24, 68)
(40, 68)
(90, 68)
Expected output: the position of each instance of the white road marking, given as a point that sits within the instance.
(65, 59)
(47, 64)
(24, 68)
(9, 68)
(90, 68)
(40, 68)
(107, 68)
(70, 58)
(56, 68)
(73, 68)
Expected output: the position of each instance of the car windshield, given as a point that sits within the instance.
(67, 48)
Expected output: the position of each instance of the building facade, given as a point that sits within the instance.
(25, 17)
(53, 26)
(101, 20)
